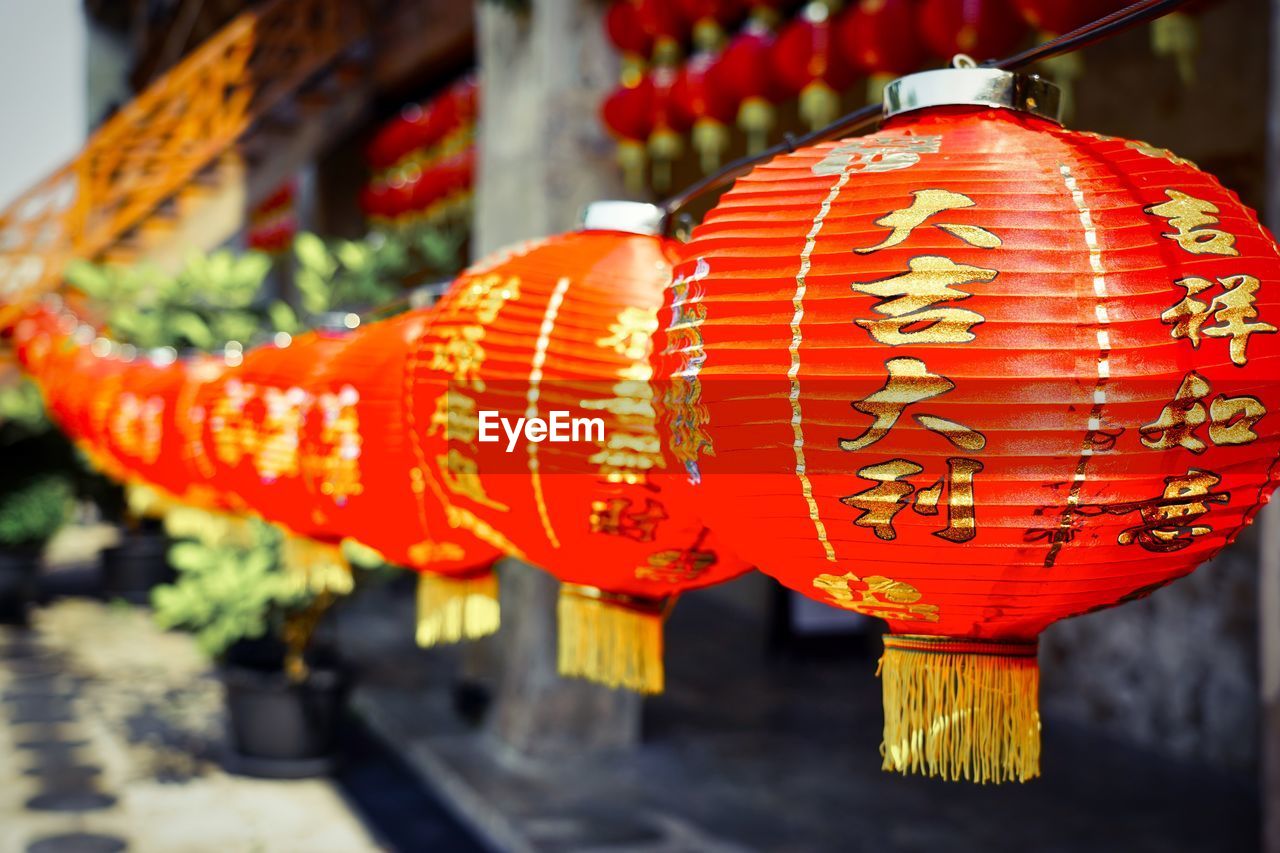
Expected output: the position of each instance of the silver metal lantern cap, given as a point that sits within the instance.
(633, 217)
(967, 84)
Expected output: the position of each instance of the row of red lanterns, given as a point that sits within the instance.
(971, 374)
(274, 223)
(422, 162)
(814, 57)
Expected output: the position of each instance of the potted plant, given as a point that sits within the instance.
(35, 493)
(259, 615)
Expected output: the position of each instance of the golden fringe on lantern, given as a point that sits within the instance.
(961, 709)
(317, 567)
(451, 610)
(615, 640)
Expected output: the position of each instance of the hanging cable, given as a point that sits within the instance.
(860, 119)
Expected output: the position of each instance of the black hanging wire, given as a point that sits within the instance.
(860, 119)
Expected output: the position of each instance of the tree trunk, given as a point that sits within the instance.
(543, 155)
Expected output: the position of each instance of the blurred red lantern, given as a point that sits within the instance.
(666, 28)
(705, 105)
(1052, 18)
(668, 126)
(252, 424)
(358, 466)
(744, 72)
(810, 64)
(881, 40)
(622, 24)
(973, 374)
(708, 19)
(557, 333)
(983, 29)
(628, 114)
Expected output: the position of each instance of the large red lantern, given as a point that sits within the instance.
(553, 338)
(363, 480)
(973, 374)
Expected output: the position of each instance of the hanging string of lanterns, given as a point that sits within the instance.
(970, 374)
(715, 58)
(422, 162)
(274, 223)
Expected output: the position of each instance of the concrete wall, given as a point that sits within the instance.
(43, 96)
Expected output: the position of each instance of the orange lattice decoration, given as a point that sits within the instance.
(163, 138)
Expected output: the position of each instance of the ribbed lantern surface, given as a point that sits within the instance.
(559, 331)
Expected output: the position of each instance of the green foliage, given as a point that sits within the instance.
(213, 300)
(228, 590)
(22, 408)
(33, 510)
(356, 275)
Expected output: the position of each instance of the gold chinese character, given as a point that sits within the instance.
(908, 301)
(1231, 310)
(455, 417)
(461, 476)
(631, 334)
(1168, 523)
(336, 464)
(881, 503)
(910, 382)
(460, 354)
(926, 203)
(612, 517)
(276, 452)
(1230, 419)
(1190, 217)
(882, 597)
(486, 294)
(675, 566)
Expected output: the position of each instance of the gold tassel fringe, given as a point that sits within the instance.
(451, 610)
(961, 709)
(615, 640)
(319, 568)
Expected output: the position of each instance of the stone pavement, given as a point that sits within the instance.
(748, 751)
(109, 738)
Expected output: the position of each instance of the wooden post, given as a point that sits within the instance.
(1269, 558)
(543, 155)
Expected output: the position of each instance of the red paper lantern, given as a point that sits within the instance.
(880, 39)
(744, 72)
(622, 25)
(708, 19)
(628, 114)
(983, 29)
(665, 27)
(973, 374)
(705, 105)
(810, 64)
(363, 480)
(557, 332)
(251, 430)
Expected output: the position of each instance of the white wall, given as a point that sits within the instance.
(43, 55)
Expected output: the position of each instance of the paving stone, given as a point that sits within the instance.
(71, 799)
(77, 842)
